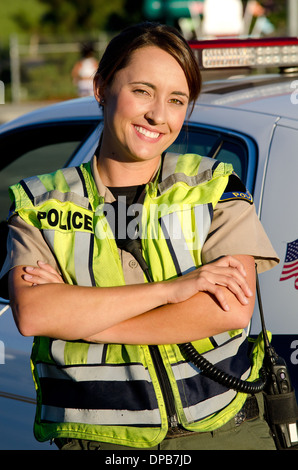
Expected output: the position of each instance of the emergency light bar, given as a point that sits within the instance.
(254, 53)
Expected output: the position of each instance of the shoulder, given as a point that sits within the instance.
(64, 180)
(236, 190)
(193, 164)
(59, 185)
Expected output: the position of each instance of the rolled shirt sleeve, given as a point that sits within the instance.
(236, 230)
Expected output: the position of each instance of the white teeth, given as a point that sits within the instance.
(152, 135)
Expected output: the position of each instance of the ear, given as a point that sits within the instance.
(98, 89)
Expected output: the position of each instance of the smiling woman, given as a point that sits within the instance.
(143, 115)
(76, 287)
(145, 81)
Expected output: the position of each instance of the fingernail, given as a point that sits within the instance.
(29, 268)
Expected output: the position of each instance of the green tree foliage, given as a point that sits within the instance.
(69, 16)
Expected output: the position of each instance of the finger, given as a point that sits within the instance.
(38, 280)
(230, 279)
(230, 261)
(34, 280)
(241, 291)
(41, 276)
(47, 267)
(220, 297)
(226, 276)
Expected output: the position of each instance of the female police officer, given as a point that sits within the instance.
(101, 382)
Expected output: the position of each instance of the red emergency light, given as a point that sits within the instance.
(251, 52)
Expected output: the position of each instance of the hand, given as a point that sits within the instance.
(226, 272)
(43, 274)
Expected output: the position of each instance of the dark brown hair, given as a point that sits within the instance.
(121, 47)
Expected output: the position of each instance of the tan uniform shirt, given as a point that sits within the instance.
(235, 229)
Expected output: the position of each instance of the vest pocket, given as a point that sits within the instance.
(94, 391)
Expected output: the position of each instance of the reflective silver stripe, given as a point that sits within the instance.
(169, 164)
(101, 373)
(186, 370)
(169, 177)
(94, 356)
(207, 407)
(172, 230)
(49, 235)
(201, 410)
(82, 249)
(57, 351)
(203, 221)
(221, 338)
(102, 417)
(207, 165)
(35, 186)
(95, 353)
(74, 181)
(77, 195)
(171, 227)
(62, 197)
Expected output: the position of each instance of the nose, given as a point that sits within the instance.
(156, 114)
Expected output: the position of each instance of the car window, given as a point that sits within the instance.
(214, 144)
(36, 150)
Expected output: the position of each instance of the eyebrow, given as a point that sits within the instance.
(150, 85)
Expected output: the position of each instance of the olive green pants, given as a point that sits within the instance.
(249, 435)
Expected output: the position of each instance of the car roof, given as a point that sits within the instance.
(78, 108)
(260, 94)
(265, 94)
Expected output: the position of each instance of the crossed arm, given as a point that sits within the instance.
(214, 298)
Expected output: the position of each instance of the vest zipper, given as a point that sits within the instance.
(165, 386)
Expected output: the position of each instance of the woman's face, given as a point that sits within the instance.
(145, 106)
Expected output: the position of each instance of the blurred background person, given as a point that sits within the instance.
(84, 70)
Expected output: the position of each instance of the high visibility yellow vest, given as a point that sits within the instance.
(113, 392)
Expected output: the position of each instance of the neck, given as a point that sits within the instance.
(121, 173)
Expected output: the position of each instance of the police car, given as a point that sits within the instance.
(249, 120)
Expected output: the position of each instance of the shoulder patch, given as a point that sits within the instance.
(236, 190)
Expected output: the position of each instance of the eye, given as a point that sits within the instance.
(141, 91)
(177, 101)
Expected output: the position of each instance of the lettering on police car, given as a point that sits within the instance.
(66, 220)
(294, 354)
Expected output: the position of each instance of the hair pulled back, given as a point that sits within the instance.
(121, 47)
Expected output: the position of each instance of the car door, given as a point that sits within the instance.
(279, 217)
(25, 151)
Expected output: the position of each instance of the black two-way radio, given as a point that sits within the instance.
(280, 398)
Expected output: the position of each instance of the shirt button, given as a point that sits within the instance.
(133, 264)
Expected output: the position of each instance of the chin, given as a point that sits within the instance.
(145, 155)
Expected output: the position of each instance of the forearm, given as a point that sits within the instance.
(196, 318)
(164, 312)
(73, 312)
(199, 316)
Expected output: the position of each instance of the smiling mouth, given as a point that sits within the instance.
(145, 132)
